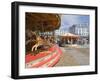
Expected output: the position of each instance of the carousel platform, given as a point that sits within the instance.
(44, 59)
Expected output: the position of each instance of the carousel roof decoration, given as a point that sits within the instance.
(42, 21)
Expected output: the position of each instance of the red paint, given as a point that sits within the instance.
(45, 61)
(55, 62)
(31, 57)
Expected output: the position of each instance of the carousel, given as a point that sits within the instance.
(41, 50)
(69, 38)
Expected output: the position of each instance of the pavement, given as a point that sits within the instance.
(74, 56)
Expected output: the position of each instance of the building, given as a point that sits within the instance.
(82, 30)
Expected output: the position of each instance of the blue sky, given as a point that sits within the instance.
(69, 20)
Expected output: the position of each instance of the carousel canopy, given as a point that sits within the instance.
(70, 35)
(42, 21)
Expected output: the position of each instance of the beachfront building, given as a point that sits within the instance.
(82, 30)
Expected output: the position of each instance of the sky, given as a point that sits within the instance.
(69, 20)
